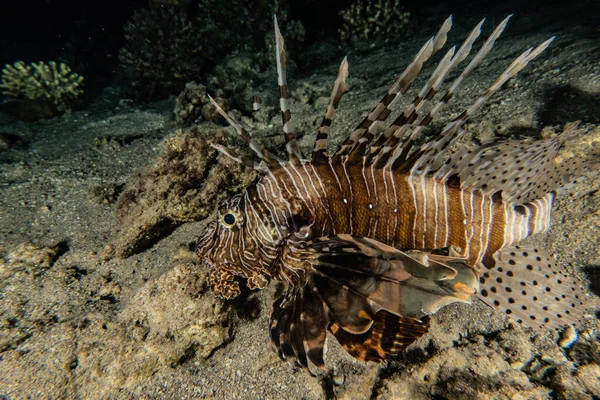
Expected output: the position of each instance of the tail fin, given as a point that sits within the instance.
(527, 285)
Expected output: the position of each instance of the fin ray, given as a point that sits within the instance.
(366, 130)
(291, 144)
(319, 155)
(256, 147)
(389, 335)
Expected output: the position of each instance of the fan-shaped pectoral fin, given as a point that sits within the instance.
(373, 298)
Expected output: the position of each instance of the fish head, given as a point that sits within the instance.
(237, 244)
(219, 247)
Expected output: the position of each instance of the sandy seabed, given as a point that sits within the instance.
(78, 322)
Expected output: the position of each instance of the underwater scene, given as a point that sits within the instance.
(303, 199)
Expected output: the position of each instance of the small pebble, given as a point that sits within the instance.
(339, 378)
(568, 337)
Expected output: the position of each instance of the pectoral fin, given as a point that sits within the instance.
(361, 276)
(373, 298)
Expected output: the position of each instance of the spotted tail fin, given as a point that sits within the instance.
(527, 285)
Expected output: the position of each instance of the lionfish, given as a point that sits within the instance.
(373, 239)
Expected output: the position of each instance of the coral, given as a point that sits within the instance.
(164, 50)
(171, 2)
(192, 105)
(173, 42)
(185, 184)
(52, 87)
(366, 19)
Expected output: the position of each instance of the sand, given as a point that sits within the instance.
(77, 321)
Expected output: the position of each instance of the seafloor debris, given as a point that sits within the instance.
(168, 321)
(192, 105)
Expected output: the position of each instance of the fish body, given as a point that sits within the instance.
(384, 232)
(399, 210)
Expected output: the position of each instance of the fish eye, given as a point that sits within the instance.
(229, 219)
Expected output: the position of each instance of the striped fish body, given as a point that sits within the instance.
(383, 233)
(403, 211)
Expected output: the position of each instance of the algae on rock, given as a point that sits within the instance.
(185, 184)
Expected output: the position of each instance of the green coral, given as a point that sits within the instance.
(50, 83)
(368, 19)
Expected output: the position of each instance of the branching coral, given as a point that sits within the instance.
(366, 19)
(163, 51)
(51, 84)
(168, 45)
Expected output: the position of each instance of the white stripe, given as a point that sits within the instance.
(374, 182)
(396, 214)
(414, 195)
(350, 209)
(302, 180)
(365, 180)
(336, 178)
(265, 200)
(446, 214)
(384, 177)
(281, 196)
(349, 182)
(436, 222)
(537, 218)
(465, 222)
(481, 228)
(424, 190)
(489, 223)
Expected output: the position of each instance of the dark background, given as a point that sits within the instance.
(87, 34)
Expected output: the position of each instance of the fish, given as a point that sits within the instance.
(371, 240)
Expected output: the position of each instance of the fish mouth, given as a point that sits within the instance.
(208, 263)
